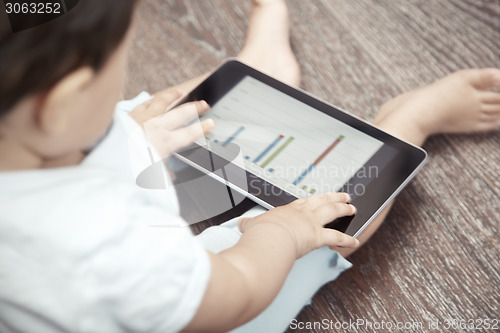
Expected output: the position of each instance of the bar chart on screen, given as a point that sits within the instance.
(287, 142)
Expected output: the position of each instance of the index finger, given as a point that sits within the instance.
(183, 114)
(327, 198)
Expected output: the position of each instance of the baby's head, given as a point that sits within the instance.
(60, 81)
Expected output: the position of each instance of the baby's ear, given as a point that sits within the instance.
(54, 109)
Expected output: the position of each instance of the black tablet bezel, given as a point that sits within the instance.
(393, 176)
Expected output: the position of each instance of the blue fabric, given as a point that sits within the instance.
(308, 274)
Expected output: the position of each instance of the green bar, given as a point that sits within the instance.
(304, 187)
(313, 191)
(277, 152)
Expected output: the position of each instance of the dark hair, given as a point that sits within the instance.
(34, 60)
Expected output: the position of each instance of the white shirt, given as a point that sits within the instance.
(84, 249)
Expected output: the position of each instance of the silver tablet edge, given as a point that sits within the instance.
(393, 195)
(268, 206)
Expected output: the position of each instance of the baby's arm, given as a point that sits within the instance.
(247, 277)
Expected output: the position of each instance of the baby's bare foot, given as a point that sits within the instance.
(267, 46)
(463, 102)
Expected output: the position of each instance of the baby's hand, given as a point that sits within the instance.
(304, 221)
(164, 100)
(166, 129)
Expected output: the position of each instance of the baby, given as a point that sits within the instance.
(80, 248)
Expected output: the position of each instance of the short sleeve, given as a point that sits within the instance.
(151, 277)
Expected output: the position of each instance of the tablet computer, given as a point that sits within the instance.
(275, 143)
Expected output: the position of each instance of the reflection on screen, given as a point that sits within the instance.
(286, 142)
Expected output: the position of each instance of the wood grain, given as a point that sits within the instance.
(437, 256)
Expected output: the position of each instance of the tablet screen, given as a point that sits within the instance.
(288, 143)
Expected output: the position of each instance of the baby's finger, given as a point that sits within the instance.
(185, 136)
(336, 248)
(335, 238)
(181, 115)
(169, 95)
(327, 198)
(201, 106)
(157, 107)
(328, 213)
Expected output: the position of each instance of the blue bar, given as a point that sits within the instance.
(231, 138)
(215, 141)
(270, 169)
(271, 146)
(247, 157)
(303, 175)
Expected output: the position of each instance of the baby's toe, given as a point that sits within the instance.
(491, 109)
(491, 125)
(490, 97)
(483, 79)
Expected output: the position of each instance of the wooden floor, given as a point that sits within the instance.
(437, 256)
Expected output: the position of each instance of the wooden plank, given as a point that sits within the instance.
(335, 66)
